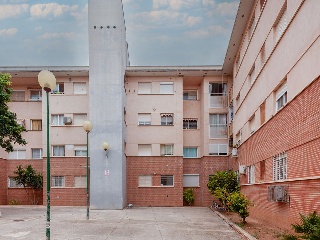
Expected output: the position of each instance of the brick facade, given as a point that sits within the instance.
(294, 130)
(3, 181)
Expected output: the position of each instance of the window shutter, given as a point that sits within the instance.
(144, 150)
(78, 119)
(79, 88)
(144, 88)
(144, 118)
(191, 180)
(166, 87)
(80, 182)
(145, 181)
(282, 24)
(18, 96)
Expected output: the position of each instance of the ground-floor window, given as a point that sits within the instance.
(166, 180)
(280, 166)
(58, 181)
(145, 181)
(191, 180)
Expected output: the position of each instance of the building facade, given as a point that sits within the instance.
(170, 128)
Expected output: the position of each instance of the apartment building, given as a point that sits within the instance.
(170, 128)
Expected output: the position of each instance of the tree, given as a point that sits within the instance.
(309, 227)
(188, 196)
(222, 184)
(10, 129)
(239, 203)
(29, 178)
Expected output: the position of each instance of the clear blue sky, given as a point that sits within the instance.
(159, 32)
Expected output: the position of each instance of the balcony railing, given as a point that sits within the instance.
(218, 101)
(218, 131)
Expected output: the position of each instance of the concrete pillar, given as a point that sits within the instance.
(107, 61)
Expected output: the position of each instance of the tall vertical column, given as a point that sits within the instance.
(108, 59)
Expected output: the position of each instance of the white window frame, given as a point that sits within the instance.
(35, 155)
(187, 125)
(145, 181)
(251, 174)
(220, 125)
(165, 180)
(189, 148)
(190, 95)
(191, 180)
(80, 88)
(144, 119)
(166, 119)
(282, 23)
(58, 148)
(279, 167)
(144, 88)
(144, 150)
(219, 149)
(80, 181)
(80, 151)
(58, 89)
(18, 154)
(57, 120)
(36, 97)
(166, 149)
(58, 181)
(13, 183)
(166, 88)
(281, 97)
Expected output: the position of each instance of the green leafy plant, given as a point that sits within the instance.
(10, 129)
(14, 202)
(29, 178)
(309, 228)
(239, 203)
(222, 184)
(188, 196)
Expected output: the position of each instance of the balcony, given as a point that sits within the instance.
(218, 101)
(218, 131)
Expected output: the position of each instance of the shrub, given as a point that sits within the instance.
(188, 196)
(239, 203)
(309, 227)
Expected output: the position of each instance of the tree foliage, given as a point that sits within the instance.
(239, 203)
(222, 184)
(10, 130)
(188, 196)
(29, 178)
(309, 226)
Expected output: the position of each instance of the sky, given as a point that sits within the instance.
(158, 32)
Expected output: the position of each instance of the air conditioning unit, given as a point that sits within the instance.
(242, 169)
(234, 152)
(67, 120)
(279, 194)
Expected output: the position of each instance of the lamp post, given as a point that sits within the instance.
(87, 126)
(47, 81)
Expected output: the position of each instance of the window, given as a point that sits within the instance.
(166, 118)
(218, 126)
(80, 150)
(80, 88)
(59, 89)
(190, 152)
(36, 153)
(252, 124)
(144, 88)
(190, 95)
(262, 170)
(36, 125)
(166, 149)
(251, 172)
(13, 183)
(144, 150)
(58, 181)
(218, 95)
(58, 151)
(263, 54)
(80, 181)
(218, 149)
(281, 96)
(166, 180)
(57, 120)
(144, 118)
(18, 96)
(281, 24)
(190, 123)
(191, 180)
(262, 112)
(166, 87)
(35, 95)
(251, 75)
(17, 154)
(145, 181)
(78, 119)
(280, 167)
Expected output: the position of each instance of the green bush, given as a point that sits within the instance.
(239, 203)
(309, 227)
(188, 196)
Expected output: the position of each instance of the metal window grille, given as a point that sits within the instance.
(166, 180)
(280, 167)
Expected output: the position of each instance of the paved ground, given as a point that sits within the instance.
(154, 223)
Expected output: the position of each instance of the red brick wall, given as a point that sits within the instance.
(171, 196)
(3, 182)
(69, 167)
(21, 195)
(294, 130)
(156, 195)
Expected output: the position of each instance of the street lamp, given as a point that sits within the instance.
(47, 81)
(87, 126)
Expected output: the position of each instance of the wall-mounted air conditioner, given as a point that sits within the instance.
(242, 169)
(278, 194)
(234, 152)
(67, 120)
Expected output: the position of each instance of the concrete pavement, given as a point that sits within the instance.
(154, 223)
